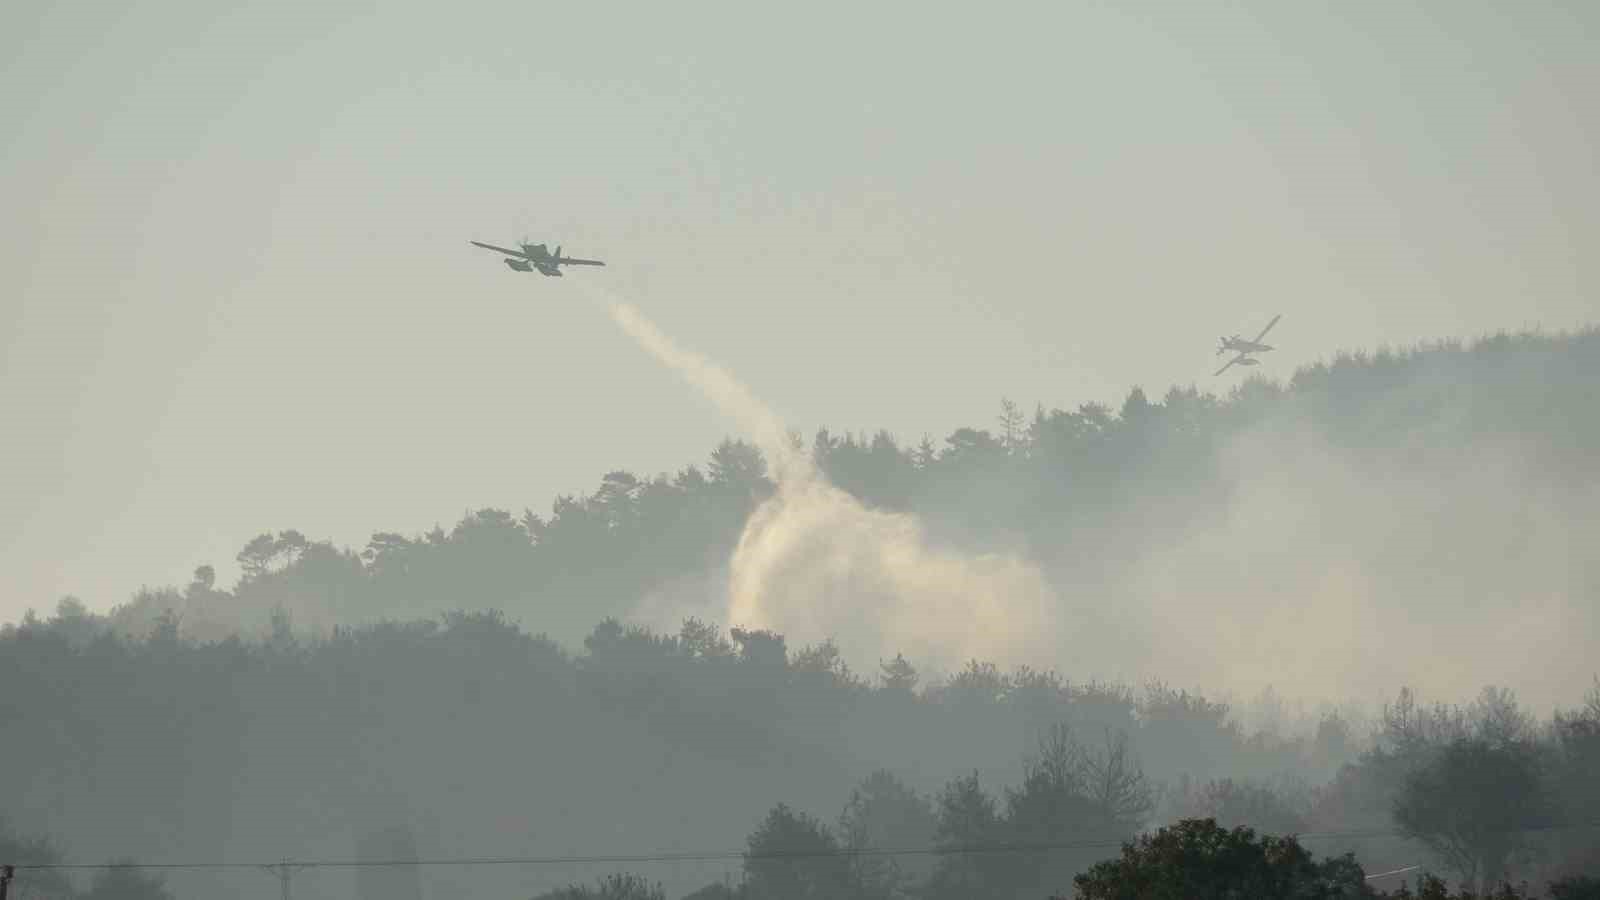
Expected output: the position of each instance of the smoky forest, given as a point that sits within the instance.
(1332, 636)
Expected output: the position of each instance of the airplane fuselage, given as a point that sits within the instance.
(1239, 345)
(539, 258)
(542, 259)
(531, 265)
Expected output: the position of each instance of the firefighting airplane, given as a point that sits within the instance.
(1244, 348)
(537, 256)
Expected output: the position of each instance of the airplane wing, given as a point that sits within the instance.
(565, 261)
(1229, 365)
(1267, 329)
(517, 253)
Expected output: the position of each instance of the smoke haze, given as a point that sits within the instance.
(1334, 574)
(326, 536)
(1321, 572)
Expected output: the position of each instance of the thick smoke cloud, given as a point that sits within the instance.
(1318, 568)
(1419, 535)
(1336, 573)
(815, 563)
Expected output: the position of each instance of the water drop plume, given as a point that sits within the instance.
(813, 562)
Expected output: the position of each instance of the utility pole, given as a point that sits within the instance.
(284, 869)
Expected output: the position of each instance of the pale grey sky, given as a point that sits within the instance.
(236, 293)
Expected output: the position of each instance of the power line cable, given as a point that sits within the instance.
(1399, 871)
(711, 855)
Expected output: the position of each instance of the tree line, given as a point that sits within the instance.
(1068, 486)
(140, 745)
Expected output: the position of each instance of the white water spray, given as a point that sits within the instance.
(815, 563)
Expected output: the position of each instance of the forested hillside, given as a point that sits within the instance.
(456, 682)
(1379, 500)
(478, 740)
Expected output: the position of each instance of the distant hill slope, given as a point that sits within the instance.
(1087, 492)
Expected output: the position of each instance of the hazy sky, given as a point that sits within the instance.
(236, 293)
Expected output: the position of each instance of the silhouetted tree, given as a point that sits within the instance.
(968, 830)
(792, 856)
(1070, 796)
(898, 675)
(701, 640)
(1197, 859)
(884, 814)
(1013, 427)
(1575, 781)
(761, 648)
(1116, 784)
(739, 465)
(1473, 806)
